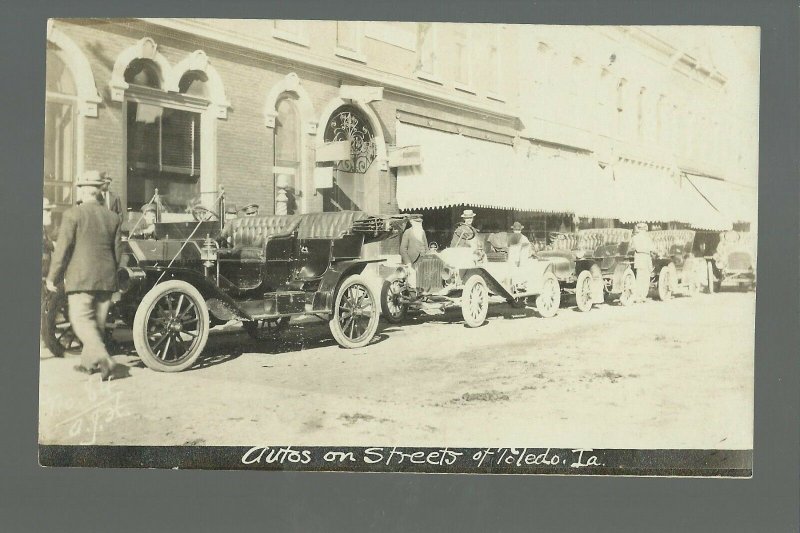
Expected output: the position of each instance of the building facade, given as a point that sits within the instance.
(519, 122)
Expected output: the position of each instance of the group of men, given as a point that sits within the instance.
(414, 244)
(85, 257)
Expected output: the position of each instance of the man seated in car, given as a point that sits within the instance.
(144, 226)
(465, 234)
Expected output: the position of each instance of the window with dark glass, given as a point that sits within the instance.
(163, 142)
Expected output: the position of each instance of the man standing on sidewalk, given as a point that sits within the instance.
(86, 255)
(642, 247)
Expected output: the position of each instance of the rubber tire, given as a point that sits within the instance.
(550, 283)
(375, 316)
(584, 277)
(51, 306)
(139, 330)
(626, 300)
(664, 282)
(475, 279)
(400, 316)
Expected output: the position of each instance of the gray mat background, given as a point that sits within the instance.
(38, 499)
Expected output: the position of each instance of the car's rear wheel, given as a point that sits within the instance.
(583, 291)
(548, 301)
(475, 301)
(665, 281)
(57, 332)
(266, 329)
(355, 313)
(170, 328)
(628, 283)
(392, 308)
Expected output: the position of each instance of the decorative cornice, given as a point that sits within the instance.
(304, 58)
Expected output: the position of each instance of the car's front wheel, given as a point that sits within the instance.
(57, 332)
(583, 291)
(170, 328)
(475, 301)
(392, 308)
(355, 313)
(665, 281)
(548, 301)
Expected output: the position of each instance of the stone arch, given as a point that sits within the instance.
(377, 126)
(198, 61)
(76, 61)
(291, 84)
(144, 48)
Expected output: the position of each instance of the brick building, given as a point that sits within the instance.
(518, 122)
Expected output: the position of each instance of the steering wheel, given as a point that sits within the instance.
(465, 233)
(203, 214)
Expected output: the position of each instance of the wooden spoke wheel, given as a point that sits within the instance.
(583, 291)
(475, 301)
(170, 328)
(57, 332)
(548, 301)
(665, 282)
(355, 313)
(628, 283)
(392, 308)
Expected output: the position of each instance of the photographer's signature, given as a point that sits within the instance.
(103, 406)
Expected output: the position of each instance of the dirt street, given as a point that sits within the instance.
(675, 374)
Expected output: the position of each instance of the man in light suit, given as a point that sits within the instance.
(86, 256)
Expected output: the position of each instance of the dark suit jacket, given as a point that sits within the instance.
(411, 247)
(113, 202)
(88, 249)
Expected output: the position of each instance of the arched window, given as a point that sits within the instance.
(60, 163)
(287, 169)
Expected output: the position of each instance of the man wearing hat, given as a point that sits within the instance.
(642, 247)
(519, 251)
(413, 245)
(110, 200)
(87, 255)
(146, 227)
(465, 230)
(250, 210)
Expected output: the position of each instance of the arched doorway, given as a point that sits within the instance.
(355, 180)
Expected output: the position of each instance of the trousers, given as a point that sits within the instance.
(87, 314)
(643, 266)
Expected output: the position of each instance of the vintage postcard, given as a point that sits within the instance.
(399, 246)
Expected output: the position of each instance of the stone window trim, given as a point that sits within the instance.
(299, 38)
(169, 76)
(291, 84)
(87, 96)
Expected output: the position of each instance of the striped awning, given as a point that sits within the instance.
(455, 170)
(737, 202)
(648, 193)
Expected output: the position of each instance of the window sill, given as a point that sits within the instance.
(350, 54)
(428, 77)
(302, 40)
(496, 97)
(464, 88)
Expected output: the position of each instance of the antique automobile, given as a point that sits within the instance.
(675, 268)
(260, 270)
(470, 278)
(593, 264)
(733, 263)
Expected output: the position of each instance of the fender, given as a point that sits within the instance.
(332, 278)
(207, 287)
(492, 283)
(619, 272)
